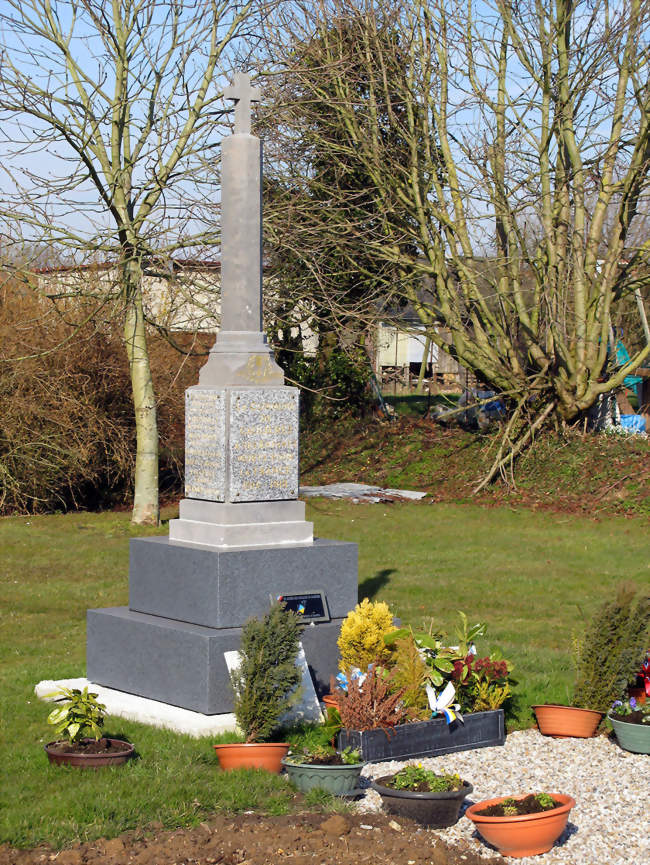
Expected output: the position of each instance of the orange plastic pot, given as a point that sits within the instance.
(257, 755)
(567, 721)
(330, 701)
(524, 835)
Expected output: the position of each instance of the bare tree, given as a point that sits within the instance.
(524, 132)
(111, 119)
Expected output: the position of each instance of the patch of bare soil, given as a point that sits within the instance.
(304, 839)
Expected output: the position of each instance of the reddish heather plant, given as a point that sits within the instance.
(375, 703)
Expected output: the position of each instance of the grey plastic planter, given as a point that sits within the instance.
(631, 737)
(337, 780)
(427, 738)
(436, 810)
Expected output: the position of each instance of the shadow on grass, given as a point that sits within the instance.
(371, 586)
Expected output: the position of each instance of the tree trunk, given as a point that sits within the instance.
(146, 509)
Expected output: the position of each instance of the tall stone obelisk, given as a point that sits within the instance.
(241, 539)
(241, 422)
(240, 355)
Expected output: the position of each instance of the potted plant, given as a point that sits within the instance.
(424, 796)
(522, 825)
(606, 658)
(80, 719)
(325, 768)
(265, 686)
(422, 698)
(631, 723)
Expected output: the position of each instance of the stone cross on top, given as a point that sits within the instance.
(243, 94)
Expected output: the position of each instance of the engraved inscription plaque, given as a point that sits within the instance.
(205, 444)
(263, 449)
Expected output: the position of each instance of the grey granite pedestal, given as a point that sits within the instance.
(187, 605)
(181, 663)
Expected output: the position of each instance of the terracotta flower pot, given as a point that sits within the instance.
(257, 755)
(567, 721)
(330, 701)
(525, 834)
(118, 752)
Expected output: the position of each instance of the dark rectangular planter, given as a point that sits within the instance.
(427, 738)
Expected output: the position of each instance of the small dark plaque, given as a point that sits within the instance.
(311, 606)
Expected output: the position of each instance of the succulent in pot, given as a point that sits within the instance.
(326, 769)
(606, 658)
(265, 685)
(521, 826)
(422, 795)
(79, 720)
(631, 723)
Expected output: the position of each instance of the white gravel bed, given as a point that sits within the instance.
(610, 824)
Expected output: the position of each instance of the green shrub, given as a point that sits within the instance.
(266, 680)
(361, 641)
(609, 655)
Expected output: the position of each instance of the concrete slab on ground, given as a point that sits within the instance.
(134, 708)
(360, 492)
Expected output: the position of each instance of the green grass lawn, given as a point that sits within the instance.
(533, 577)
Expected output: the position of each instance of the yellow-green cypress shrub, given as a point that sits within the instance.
(361, 641)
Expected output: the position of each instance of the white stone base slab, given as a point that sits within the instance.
(134, 708)
(244, 535)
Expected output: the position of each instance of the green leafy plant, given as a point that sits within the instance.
(80, 716)
(350, 756)
(545, 800)
(421, 780)
(438, 655)
(332, 725)
(410, 673)
(425, 656)
(482, 683)
(325, 756)
(610, 653)
(266, 681)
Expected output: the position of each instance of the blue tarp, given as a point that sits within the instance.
(633, 422)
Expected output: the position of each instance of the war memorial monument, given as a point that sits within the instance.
(241, 540)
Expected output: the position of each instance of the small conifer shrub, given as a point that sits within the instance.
(266, 681)
(361, 641)
(612, 649)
